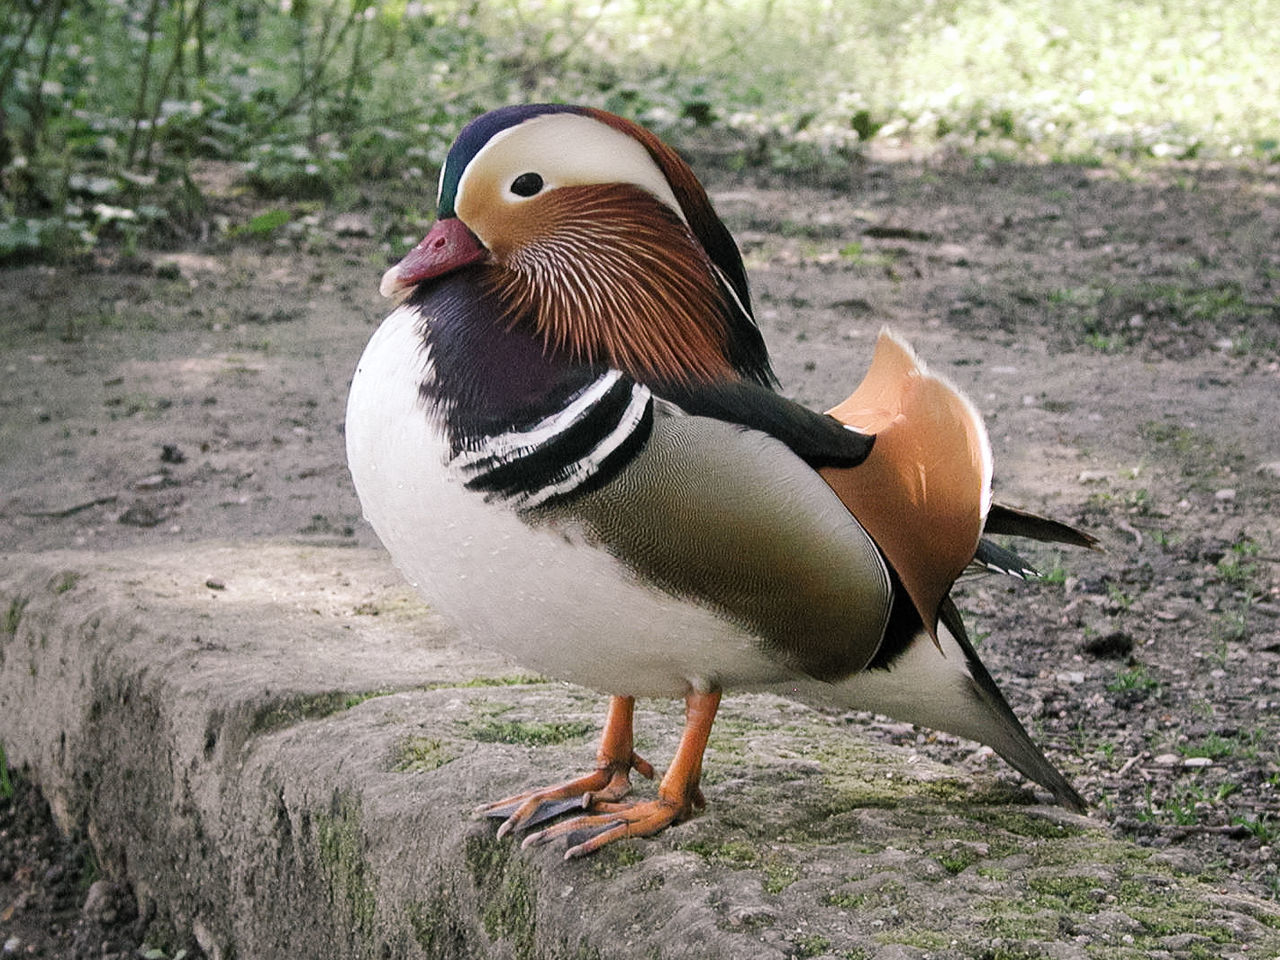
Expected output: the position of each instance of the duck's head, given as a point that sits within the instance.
(598, 236)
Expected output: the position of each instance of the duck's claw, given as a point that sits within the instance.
(599, 793)
(606, 784)
(544, 810)
(587, 834)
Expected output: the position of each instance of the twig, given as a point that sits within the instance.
(76, 508)
(202, 60)
(310, 85)
(11, 64)
(185, 26)
(37, 96)
(1131, 530)
(139, 107)
(354, 72)
(1128, 764)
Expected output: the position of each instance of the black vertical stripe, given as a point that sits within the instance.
(551, 462)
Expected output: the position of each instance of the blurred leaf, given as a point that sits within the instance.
(267, 222)
(94, 186)
(18, 236)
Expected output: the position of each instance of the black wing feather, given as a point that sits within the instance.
(1004, 519)
(1000, 559)
(817, 439)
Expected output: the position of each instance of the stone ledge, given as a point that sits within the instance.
(277, 746)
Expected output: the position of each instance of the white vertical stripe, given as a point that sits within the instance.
(508, 446)
(586, 467)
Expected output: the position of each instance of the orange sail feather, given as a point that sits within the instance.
(924, 491)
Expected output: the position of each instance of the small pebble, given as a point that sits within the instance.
(98, 899)
(1197, 762)
(353, 225)
(1225, 494)
(11, 947)
(1167, 759)
(214, 583)
(141, 515)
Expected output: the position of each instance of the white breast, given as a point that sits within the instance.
(551, 604)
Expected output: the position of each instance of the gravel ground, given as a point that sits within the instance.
(1118, 329)
(54, 902)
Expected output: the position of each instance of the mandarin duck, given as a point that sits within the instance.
(568, 438)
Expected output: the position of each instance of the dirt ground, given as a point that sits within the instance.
(1119, 330)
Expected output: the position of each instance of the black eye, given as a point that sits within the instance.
(526, 185)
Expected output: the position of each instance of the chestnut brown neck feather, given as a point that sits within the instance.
(611, 276)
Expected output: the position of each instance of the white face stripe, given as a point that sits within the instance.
(565, 149)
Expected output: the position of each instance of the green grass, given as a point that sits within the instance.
(296, 709)
(1136, 677)
(422, 755)
(1186, 804)
(1117, 317)
(1265, 828)
(6, 783)
(1213, 746)
(531, 733)
(811, 945)
(1238, 569)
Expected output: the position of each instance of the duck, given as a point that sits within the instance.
(569, 436)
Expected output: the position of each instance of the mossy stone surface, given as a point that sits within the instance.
(283, 782)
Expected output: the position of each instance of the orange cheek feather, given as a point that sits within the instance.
(609, 274)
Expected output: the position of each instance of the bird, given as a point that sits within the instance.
(569, 437)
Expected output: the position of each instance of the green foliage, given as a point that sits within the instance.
(13, 616)
(1265, 828)
(1136, 677)
(422, 755)
(811, 945)
(1239, 569)
(110, 109)
(1212, 746)
(268, 222)
(1056, 574)
(6, 783)
(530, 733)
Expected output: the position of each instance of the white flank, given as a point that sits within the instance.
(538, 594)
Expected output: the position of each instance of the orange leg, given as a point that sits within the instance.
(678, 794)
(610, 781)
